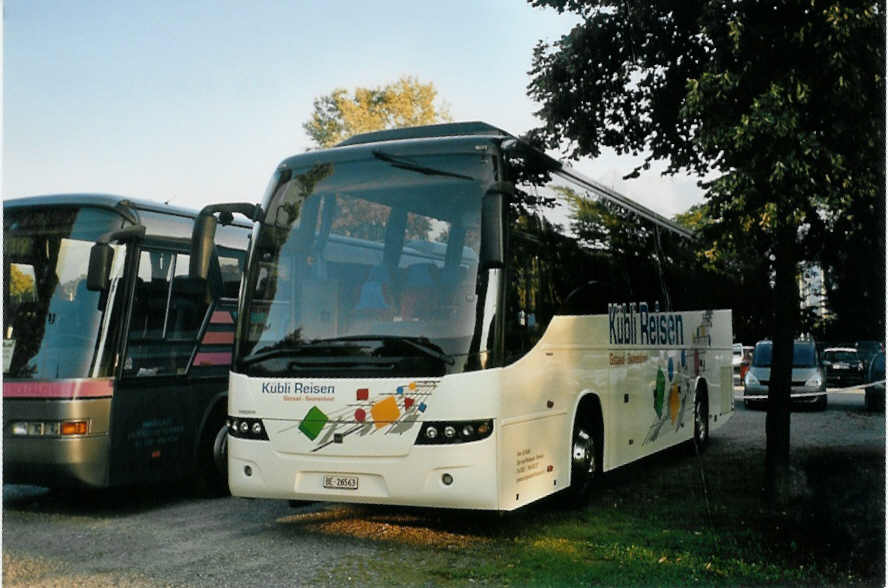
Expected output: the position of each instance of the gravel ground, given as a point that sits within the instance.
(163, 537)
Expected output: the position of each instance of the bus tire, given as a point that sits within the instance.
(212, 470)
(585, 457)
(701, 421)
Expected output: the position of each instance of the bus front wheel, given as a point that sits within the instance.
(213, 459)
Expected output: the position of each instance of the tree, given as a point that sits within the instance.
(732, 258)
(405, 103)
(21, 285)
(781, 101)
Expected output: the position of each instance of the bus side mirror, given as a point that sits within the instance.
(101, 255)
(204, 234)
(202, 241)
(98, 276)
(492, 242)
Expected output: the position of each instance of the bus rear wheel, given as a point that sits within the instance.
(701, 422)
(585, 462)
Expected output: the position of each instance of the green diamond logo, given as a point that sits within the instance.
(313, 422)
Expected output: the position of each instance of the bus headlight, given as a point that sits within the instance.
(247, 429)
(751, 380)
(447, 432)
(48, 428)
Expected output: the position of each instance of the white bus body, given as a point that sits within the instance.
(445, 317)
(532, 404)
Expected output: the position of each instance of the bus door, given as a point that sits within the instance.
(154, 409)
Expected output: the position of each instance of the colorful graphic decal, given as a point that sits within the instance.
(215, 346)
(394, 411)
(671, 393)
(671, 389)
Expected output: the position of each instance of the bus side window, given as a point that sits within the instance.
(166, 316)
(231, 269)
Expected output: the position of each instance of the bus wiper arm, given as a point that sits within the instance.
(420, 344)
(270, 354)
(409, 165)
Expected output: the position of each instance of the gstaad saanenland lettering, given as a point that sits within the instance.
(297, 388)
(635, 324)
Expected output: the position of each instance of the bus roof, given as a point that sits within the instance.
(484, 130)
(123, 205)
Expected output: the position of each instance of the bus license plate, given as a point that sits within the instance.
(341, 482)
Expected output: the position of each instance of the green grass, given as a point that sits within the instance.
(652, 524)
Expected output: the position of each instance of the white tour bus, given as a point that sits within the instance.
(445, 316)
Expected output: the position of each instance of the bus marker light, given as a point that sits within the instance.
(74, 428)
(447, 479)
(248, 471)
(155, 454)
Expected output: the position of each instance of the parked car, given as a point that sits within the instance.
(748, 351)
(843, 366)
(874, 393)
(867, 350)
(736, 361)
(808, 380)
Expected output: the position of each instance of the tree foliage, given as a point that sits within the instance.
(21, 285)
(404, 103)
(781, 102)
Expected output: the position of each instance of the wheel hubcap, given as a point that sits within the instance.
(699, 424)
(584, 452)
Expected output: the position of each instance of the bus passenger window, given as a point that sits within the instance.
(167, 313)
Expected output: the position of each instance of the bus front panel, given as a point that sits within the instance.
(57, 442)
(424, 442)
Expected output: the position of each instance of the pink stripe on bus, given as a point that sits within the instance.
(74, 388)
(220, 358)
(218, 338)
(221, 317)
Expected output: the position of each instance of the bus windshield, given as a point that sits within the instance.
(52, 324)
(367, 266)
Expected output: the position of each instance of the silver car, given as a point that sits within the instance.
(808, 380)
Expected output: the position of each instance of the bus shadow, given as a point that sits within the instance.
(459, 529)
(110, 502)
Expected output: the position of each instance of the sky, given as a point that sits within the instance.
(197, 102)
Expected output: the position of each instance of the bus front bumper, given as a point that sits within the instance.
(446, 476)
(56, 462)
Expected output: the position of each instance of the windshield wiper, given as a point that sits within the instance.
(419, 343)
(270, 354)
(409, 165)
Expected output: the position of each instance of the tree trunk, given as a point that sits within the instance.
(786, 309)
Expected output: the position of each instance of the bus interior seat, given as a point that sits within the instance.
(375, 299)
(419, 295)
